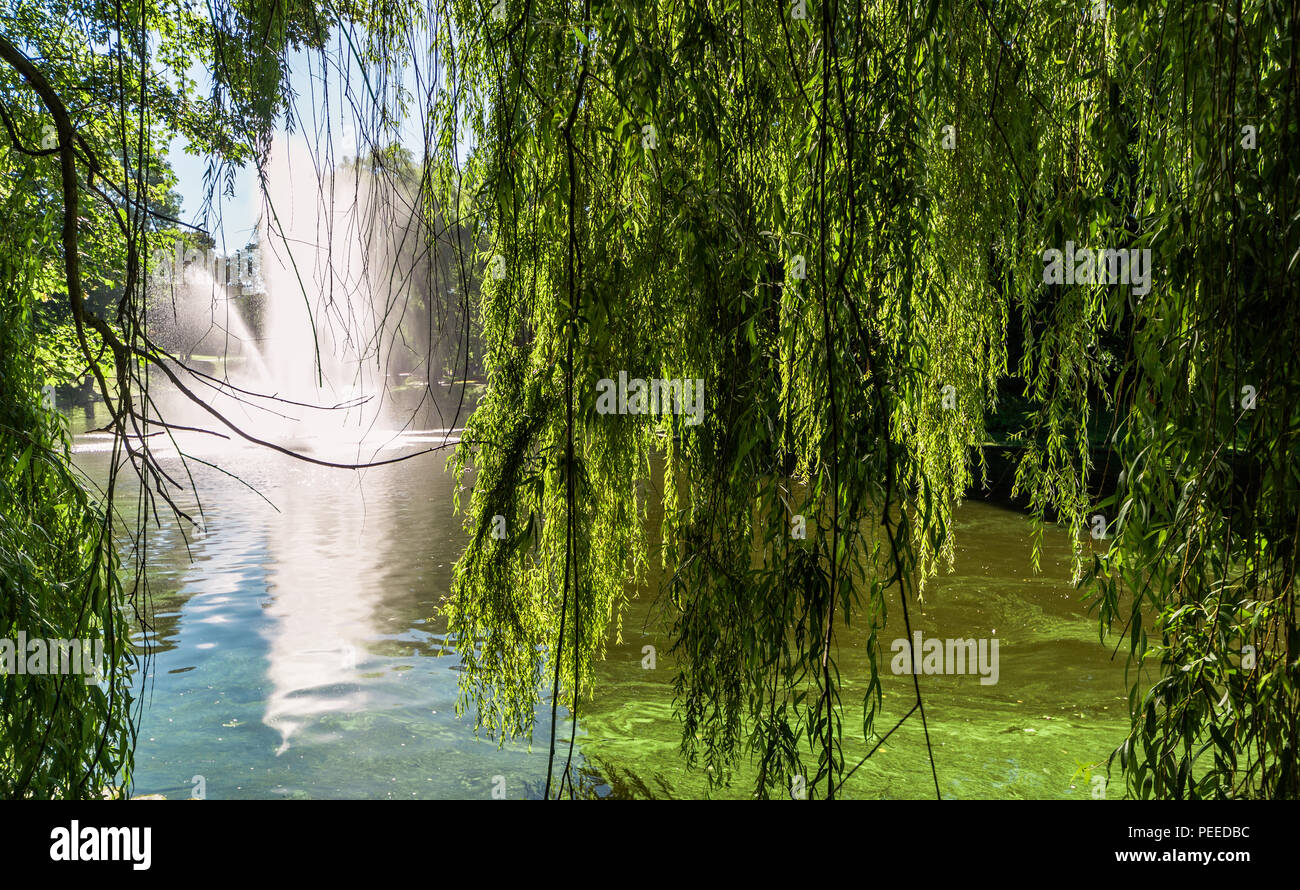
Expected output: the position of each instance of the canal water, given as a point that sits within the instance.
(295, 656)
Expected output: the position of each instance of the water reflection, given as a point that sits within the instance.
(321, 606)
(295, 657)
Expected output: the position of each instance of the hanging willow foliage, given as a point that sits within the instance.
(829, 213)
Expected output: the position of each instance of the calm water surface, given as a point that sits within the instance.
(296, 657)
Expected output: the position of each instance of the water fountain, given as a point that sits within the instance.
(297, 336)
(323, 323)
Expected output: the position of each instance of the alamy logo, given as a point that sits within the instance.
(934, 656)
(658, 396)
(1106, 266)
(90, 844)
(244, 268)
(41, 656)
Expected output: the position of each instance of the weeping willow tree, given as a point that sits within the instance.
(835, 216)
(62, 733)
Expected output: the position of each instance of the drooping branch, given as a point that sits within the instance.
(67, 134)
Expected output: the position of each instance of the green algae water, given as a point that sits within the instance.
(1043, 730)
(294, 655)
